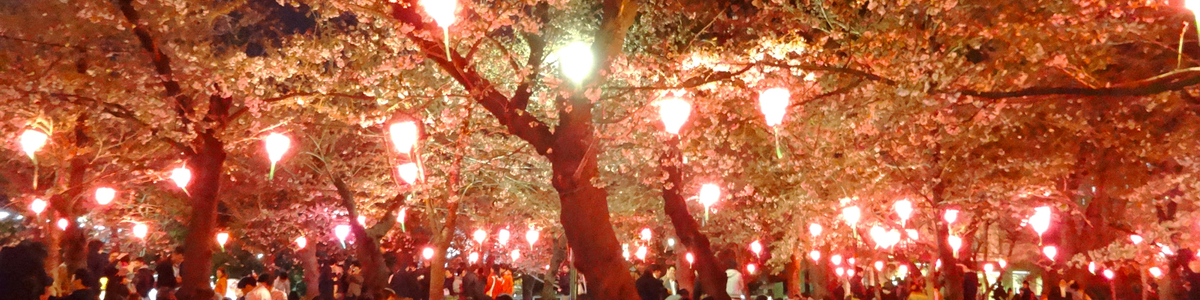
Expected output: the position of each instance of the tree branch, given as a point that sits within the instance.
(1170, 81)
(162, 63)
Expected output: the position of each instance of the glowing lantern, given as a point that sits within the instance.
(815, 229)
(1040, 220)
(140, 230)
(691, 259)
(879, 236)
(362, 220)
(840, 271)
(912, 234)
(1156, 272)
(878, 265)
(646, 234)
(400, 218)
(181, 176)
(1192, 5)
(836, 259)
(671, 242)
(850, 261)
(63, 223)
(503, 236)
(851, 214)
(1003, 263)
(1050, 252)
(37, 206)
(1092, 267)
(751, 268)
(893, 238)
(641, 252)
(1136, 239)
(516, 254)
(427, 253)
(442, 11)
(479, 236)
(815, 255)
(756, 247)
(277, 145)
(301, 242)
(342, 231)
(474, 257)
(709, 194)
(904, 209)
(850, 273)
(774, 105)
(404, 136)
(409, 173)
(902, 270)
(1109, 274)
(104, 195)
(32, 141)
(576, 61)
(955, 243)
(950, 216)
(222, 238)
(531, 236)
(988, 268)
(674, 113)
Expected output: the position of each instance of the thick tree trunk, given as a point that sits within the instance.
(437, 268)
(312, 271)
(952, 275)
(818, 277)
(370, 257)
(206, 166)
(711, 275)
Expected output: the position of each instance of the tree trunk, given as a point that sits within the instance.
(312, 271)
(711, 275)
(791, 273)
(818, 277)
(53, 238)
(370, 257)
(951, 274)
(683, 271)
(206, 166)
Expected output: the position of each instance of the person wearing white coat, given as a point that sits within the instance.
(734, 286)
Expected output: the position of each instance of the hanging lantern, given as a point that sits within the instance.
(955, 243)
(850, 261)
(904, 209)
(950, 216)
(840, 271)
(850, 272)
(641, 252)
(342, 231)
(1109, 274)
(1156, 272)
(140, 230)
(815, 229)
(851, 214)
(400, 218)
(1136, 239)
(516, 255)
(63, 223)
(691, 259)
(576, 61)
(893, 238)
(1092, 267)
(301, 242)
(404, 136)
(674, 112)
(531, 236)
(409, 173)
(1003, 264)
(427, 253)
(836, 259)
(671, 242)
(181, 176)
(362, 220)
(277, 145)
(646, 234)
(32, 141)
(104, 195)
(938, 264)
(442, 11)
(912, 234)
(222, 238)
(756, 247)
(709, 195)
(902, 270)
(503, 236)
(774, 105)
(877, 235)
(1050, 252)
(1040, 220)
(37, 206)
(474, 257)
(1191, 5)
(479, 236)
(815, 255)
(879, 266)
(988, 268)
(751, 268)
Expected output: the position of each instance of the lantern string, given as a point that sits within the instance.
(272, 176)
(778, 149)
(446, 40)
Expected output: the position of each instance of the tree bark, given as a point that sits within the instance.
(818, 277)
(370, 256)
(206, 166)
(711, 275)
(312, 271)
(442, 237)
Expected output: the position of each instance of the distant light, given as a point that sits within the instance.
(4, 215)
(840, 271)
(815, 229)
(259, 256)
(1091, 267)
(427, 253)
(222, 238)
(181, 176)
(904, 209)
(341, 231)
(641, 252)
(774, 104)
(751, 268)
(955, 243)
(140, 230)
(532, 236)
(709, 194)
(1041, 219)
(473, 257)
(646, 234)
(988, 268)
(902, 270)
(105, 195)
(277, 146)
(951, 216)
(878, 265)
(1109, 274)
(1003, 263)
(516, 254)
(756, 247)
(503, 236)
(301, 242)
(576, 61)
(671, 242)
(836, 259)
(1156, 272)
(362, 220)
(63, 223)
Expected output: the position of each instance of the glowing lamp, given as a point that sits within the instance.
(404, 136)
(181, 176)
(691, 259)
(479, 236)
(751, 268)
(301, 242)
(1192, 5)
(893, 238)
(104, 195)
(625, 253)
(362, 220)
(222, 238)
(950, 216)
(850, 261)
(1003, 263)
(815, 229)
(1136, 239)
(1040, 219)
(531, 236)
(878, 265)
(503, 236)
(988, 268)
(576, 61)
(516, 254)
(756, 247)
(403, 213)
(840, 271)
(641, 252)
(1156, 272)
(904, 209)
(671, 242)
(32, 141)
(878, 235)
(442, 11)
(938, 264)
(1050, 252)
(1092, 267)
(646, 234)
(1109, 274)
(674, 113)
(474, 257)
(850, 272)
(140, 230)
(774, 104)
(902, 270)
(836, 259)
(815, 255)
(409, 173)
(912, 234)
(277, 145)
(342, 231)
(37, 206)
(851, 214)
(427, 253)
(63, 223)
(955, 243)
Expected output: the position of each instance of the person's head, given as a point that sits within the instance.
(1075, 286)
(653, 270)
(81, 279)
(266, 279)
(221, 273)
(246, 284)
(177, 256)
(504, 297)
(94, 246)
(760, 297)
(670, 272)
(684, 293)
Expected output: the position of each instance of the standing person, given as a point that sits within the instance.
(267, 280)
(168, 273)
(1025, 293)
(669, 281)
(404, 281)
(649, 287)
(506, 283)
(734, 285)
(143, 280)
(283, 283)
(245, 286)
(495, 280)
(222, 285)
(261, 291)
(354, 281)
(117, 288)
(970, 283)
(22, 273)
(80, 288)
(97, 262)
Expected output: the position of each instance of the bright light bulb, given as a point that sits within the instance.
(401, 215)
(474, 257)
(751, 268)
(576, 61)
(850, 273)
(1092, 267)
(442, 11)
(1109, 274)
(815, 255)
(104, 195)
(691, 259)
(836, 259)
(756, 247)
(222, 238)
(427, 253)
(503, 236)
(850, 261)
(63, 223)
(277, 145)
(815, 229)
(641, 252)
(1192, 5)
(362, 220)
(878, 265)
(1050, 252)
(709, 194)
(532, 236)
(1040, 219)
(646, 234)
(341, 231)
(955, 243)
(878, 235)
(774, 105)
(301, 242)
(912, 234)
(1003, 263)
(181, 176)
(904, 209)
(516, 254)
(1156, 272)
(951, 216)
(37, 206)
(404, 136)
(840, 271)
(1136, 239)
(674, 113)
(671, 242)
(851, 214)
(140, 230)
(988, 268)
(32, 141)
(902, 270)
(480, 236)
(409, 172)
